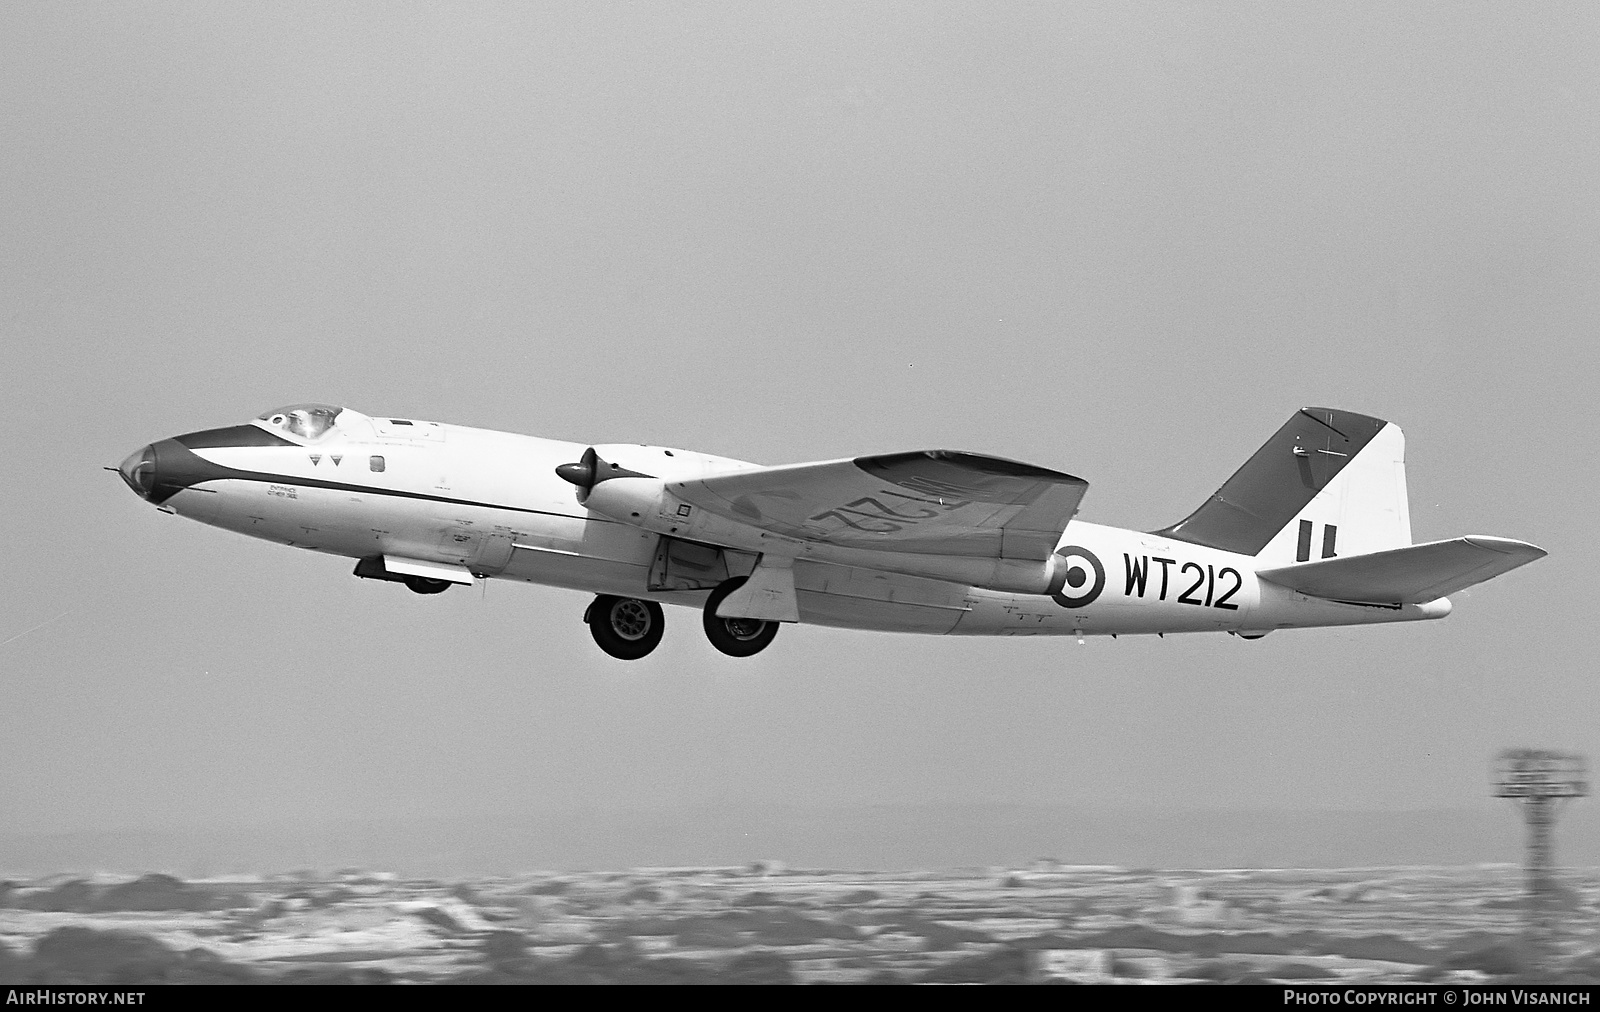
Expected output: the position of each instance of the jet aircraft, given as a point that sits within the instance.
(1313, 530)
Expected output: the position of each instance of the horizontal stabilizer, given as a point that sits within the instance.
(1412, 575)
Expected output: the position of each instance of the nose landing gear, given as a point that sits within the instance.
(625, 627)
(736, 637)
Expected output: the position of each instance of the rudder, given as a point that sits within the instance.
(1329, 483)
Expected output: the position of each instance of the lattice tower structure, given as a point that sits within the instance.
(1542, 781)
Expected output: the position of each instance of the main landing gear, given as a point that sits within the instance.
(736, 637)
(424, 585)
(628, 628)
(625, 627)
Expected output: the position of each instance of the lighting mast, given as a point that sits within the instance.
(1541, 780)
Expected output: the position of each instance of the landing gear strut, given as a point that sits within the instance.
(625, 627)
(736, 637)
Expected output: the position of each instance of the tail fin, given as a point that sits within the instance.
(1329, 483)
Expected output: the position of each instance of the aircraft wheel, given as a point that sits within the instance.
(625, 627)
(423, 585)
(736, 637)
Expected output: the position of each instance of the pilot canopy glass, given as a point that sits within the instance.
(308, 421)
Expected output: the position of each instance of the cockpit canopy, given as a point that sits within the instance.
(308, 421)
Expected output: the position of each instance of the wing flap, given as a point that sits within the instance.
(1412, 575)
(940, 502)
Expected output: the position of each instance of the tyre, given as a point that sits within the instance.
(423, 585)
(736, 637)
(625, 627)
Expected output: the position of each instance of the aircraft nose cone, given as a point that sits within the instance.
(139, 471)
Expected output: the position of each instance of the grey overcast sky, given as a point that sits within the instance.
(1122, 240)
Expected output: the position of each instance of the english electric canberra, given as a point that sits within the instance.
(1313, 530)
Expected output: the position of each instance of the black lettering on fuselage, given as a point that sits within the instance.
(1199, 579)
(1164, 564)
(1138, 573)
(1238, 581)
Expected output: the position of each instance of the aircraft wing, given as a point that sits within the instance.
(1412, 575)
(940, 502)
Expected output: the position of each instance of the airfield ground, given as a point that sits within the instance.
(768, 923)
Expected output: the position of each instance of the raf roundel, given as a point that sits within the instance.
(1084, 577)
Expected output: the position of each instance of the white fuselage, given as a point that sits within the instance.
(491, 503)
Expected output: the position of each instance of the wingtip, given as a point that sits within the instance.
(1507, 546)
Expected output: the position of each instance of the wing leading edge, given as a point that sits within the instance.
(941, 502)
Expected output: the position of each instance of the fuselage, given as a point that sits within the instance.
(491, 504)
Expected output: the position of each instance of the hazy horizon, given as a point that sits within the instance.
(885, 837)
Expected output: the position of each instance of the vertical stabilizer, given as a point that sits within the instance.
(1328, 484)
